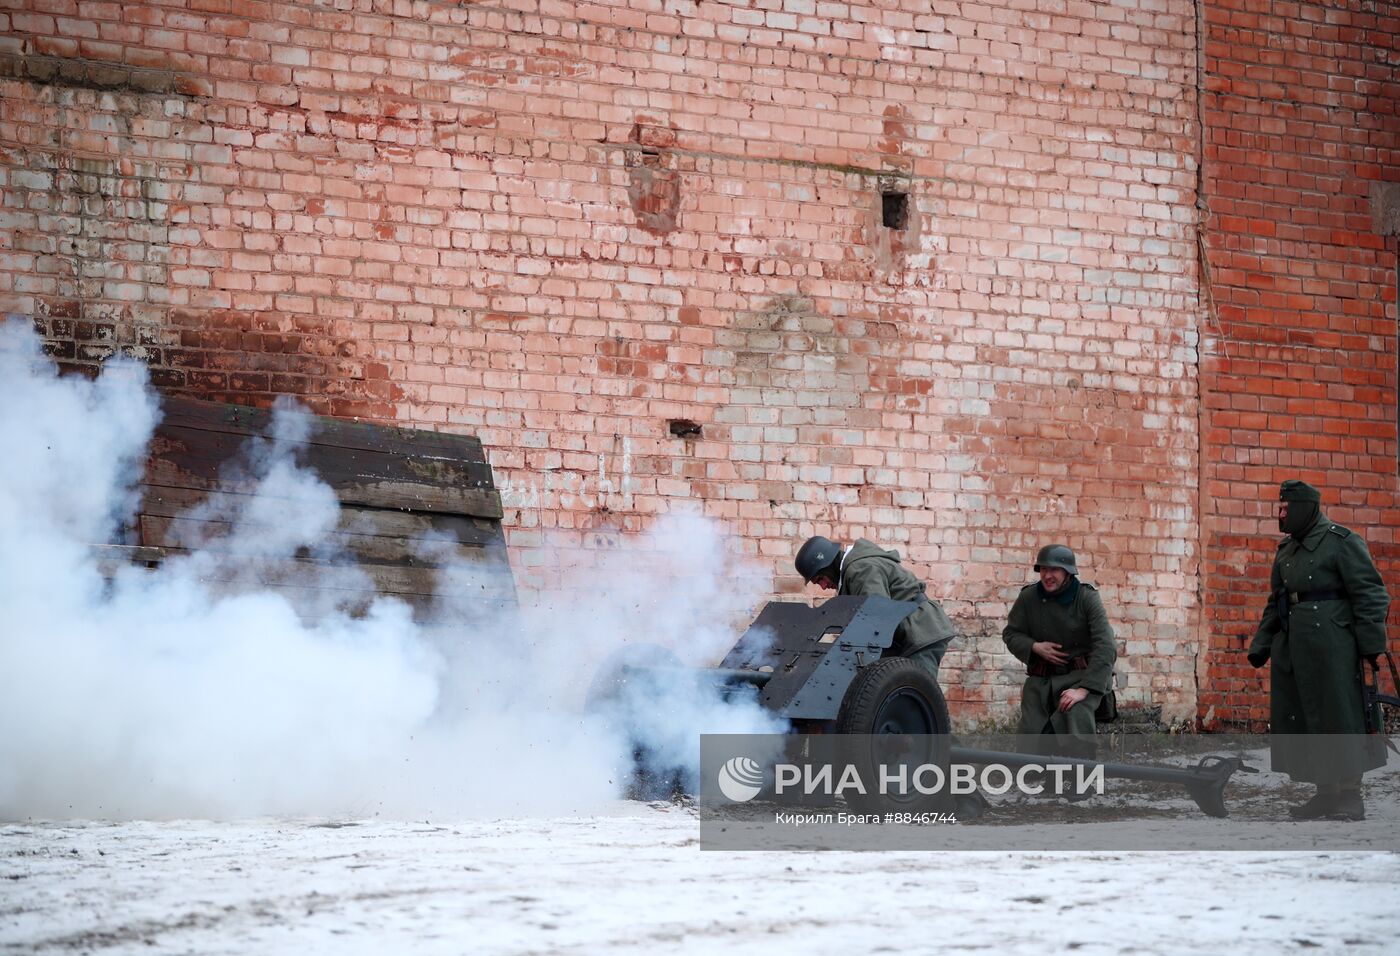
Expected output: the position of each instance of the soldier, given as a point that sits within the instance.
(1326, 612)
(864, 568)
(1058, 628)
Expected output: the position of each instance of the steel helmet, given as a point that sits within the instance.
(815, 556)
(1056, 556)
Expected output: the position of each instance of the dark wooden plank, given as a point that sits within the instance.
(496, 602)
(162, 531)
(175, 501)
(203, 453)
(309, 575)
(331, 432)
(164, 504)
(477, 502)
(110, 557)
(181, 460)
(467, 530)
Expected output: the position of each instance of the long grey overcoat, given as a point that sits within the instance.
(1315, 679)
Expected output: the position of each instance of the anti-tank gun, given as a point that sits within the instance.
(825, 670)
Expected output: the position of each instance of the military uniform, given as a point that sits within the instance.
(1326, 611)
(867, 569)
(1074, 618)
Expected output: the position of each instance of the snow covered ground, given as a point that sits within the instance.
(634, 879)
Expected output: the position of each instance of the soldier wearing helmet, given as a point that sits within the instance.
(1058, 628)
(864, 568)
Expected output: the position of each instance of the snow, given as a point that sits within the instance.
(634, 879)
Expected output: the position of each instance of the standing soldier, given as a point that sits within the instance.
(1058, 628)
(1326, 612)
(864, 568)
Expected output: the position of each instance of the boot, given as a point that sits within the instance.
(1349, 806)
(1080, 750)
(970, 806)
(1322, 803)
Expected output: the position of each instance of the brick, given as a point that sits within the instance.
(564, 248)
(1253, 305)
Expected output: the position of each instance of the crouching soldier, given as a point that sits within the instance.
(866, 569)
(1058, 628)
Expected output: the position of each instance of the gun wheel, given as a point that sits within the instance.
(895, 695)
(897, 713)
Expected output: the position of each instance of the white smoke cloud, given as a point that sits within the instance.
(192, 690)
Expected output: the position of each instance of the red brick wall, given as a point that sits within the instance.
(1298, 371)
(564, 226)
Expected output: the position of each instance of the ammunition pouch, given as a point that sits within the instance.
(1039, 667)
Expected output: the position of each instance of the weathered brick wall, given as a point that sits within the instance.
(640, 248)
(1299, 352)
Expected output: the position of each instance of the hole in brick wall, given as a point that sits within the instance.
(653, 189)
(684, 428)
(894, 206)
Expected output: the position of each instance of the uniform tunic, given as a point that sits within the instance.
(1081, 628)
(868, 569)
(1315, 681)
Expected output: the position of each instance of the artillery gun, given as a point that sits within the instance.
(823, 670)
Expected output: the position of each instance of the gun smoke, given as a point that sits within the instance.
(156, 693)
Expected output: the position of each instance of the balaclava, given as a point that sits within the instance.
(1303, 506)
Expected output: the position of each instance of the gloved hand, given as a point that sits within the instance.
(1258, 658)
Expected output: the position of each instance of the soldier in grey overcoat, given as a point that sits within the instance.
(864, 568)
(1059, 629)
(1326, 612)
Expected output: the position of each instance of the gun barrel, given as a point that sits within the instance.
(719, 675)
(1205, 782)
(1120, 770)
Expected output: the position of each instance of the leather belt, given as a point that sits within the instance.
(1039, 667)
(1304, 597)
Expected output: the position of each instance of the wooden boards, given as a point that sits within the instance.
(411, 504)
